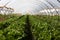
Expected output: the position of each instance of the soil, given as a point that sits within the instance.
(2, 19)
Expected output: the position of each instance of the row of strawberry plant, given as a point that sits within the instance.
(7, 22)
(45, 30)
(15, 31)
